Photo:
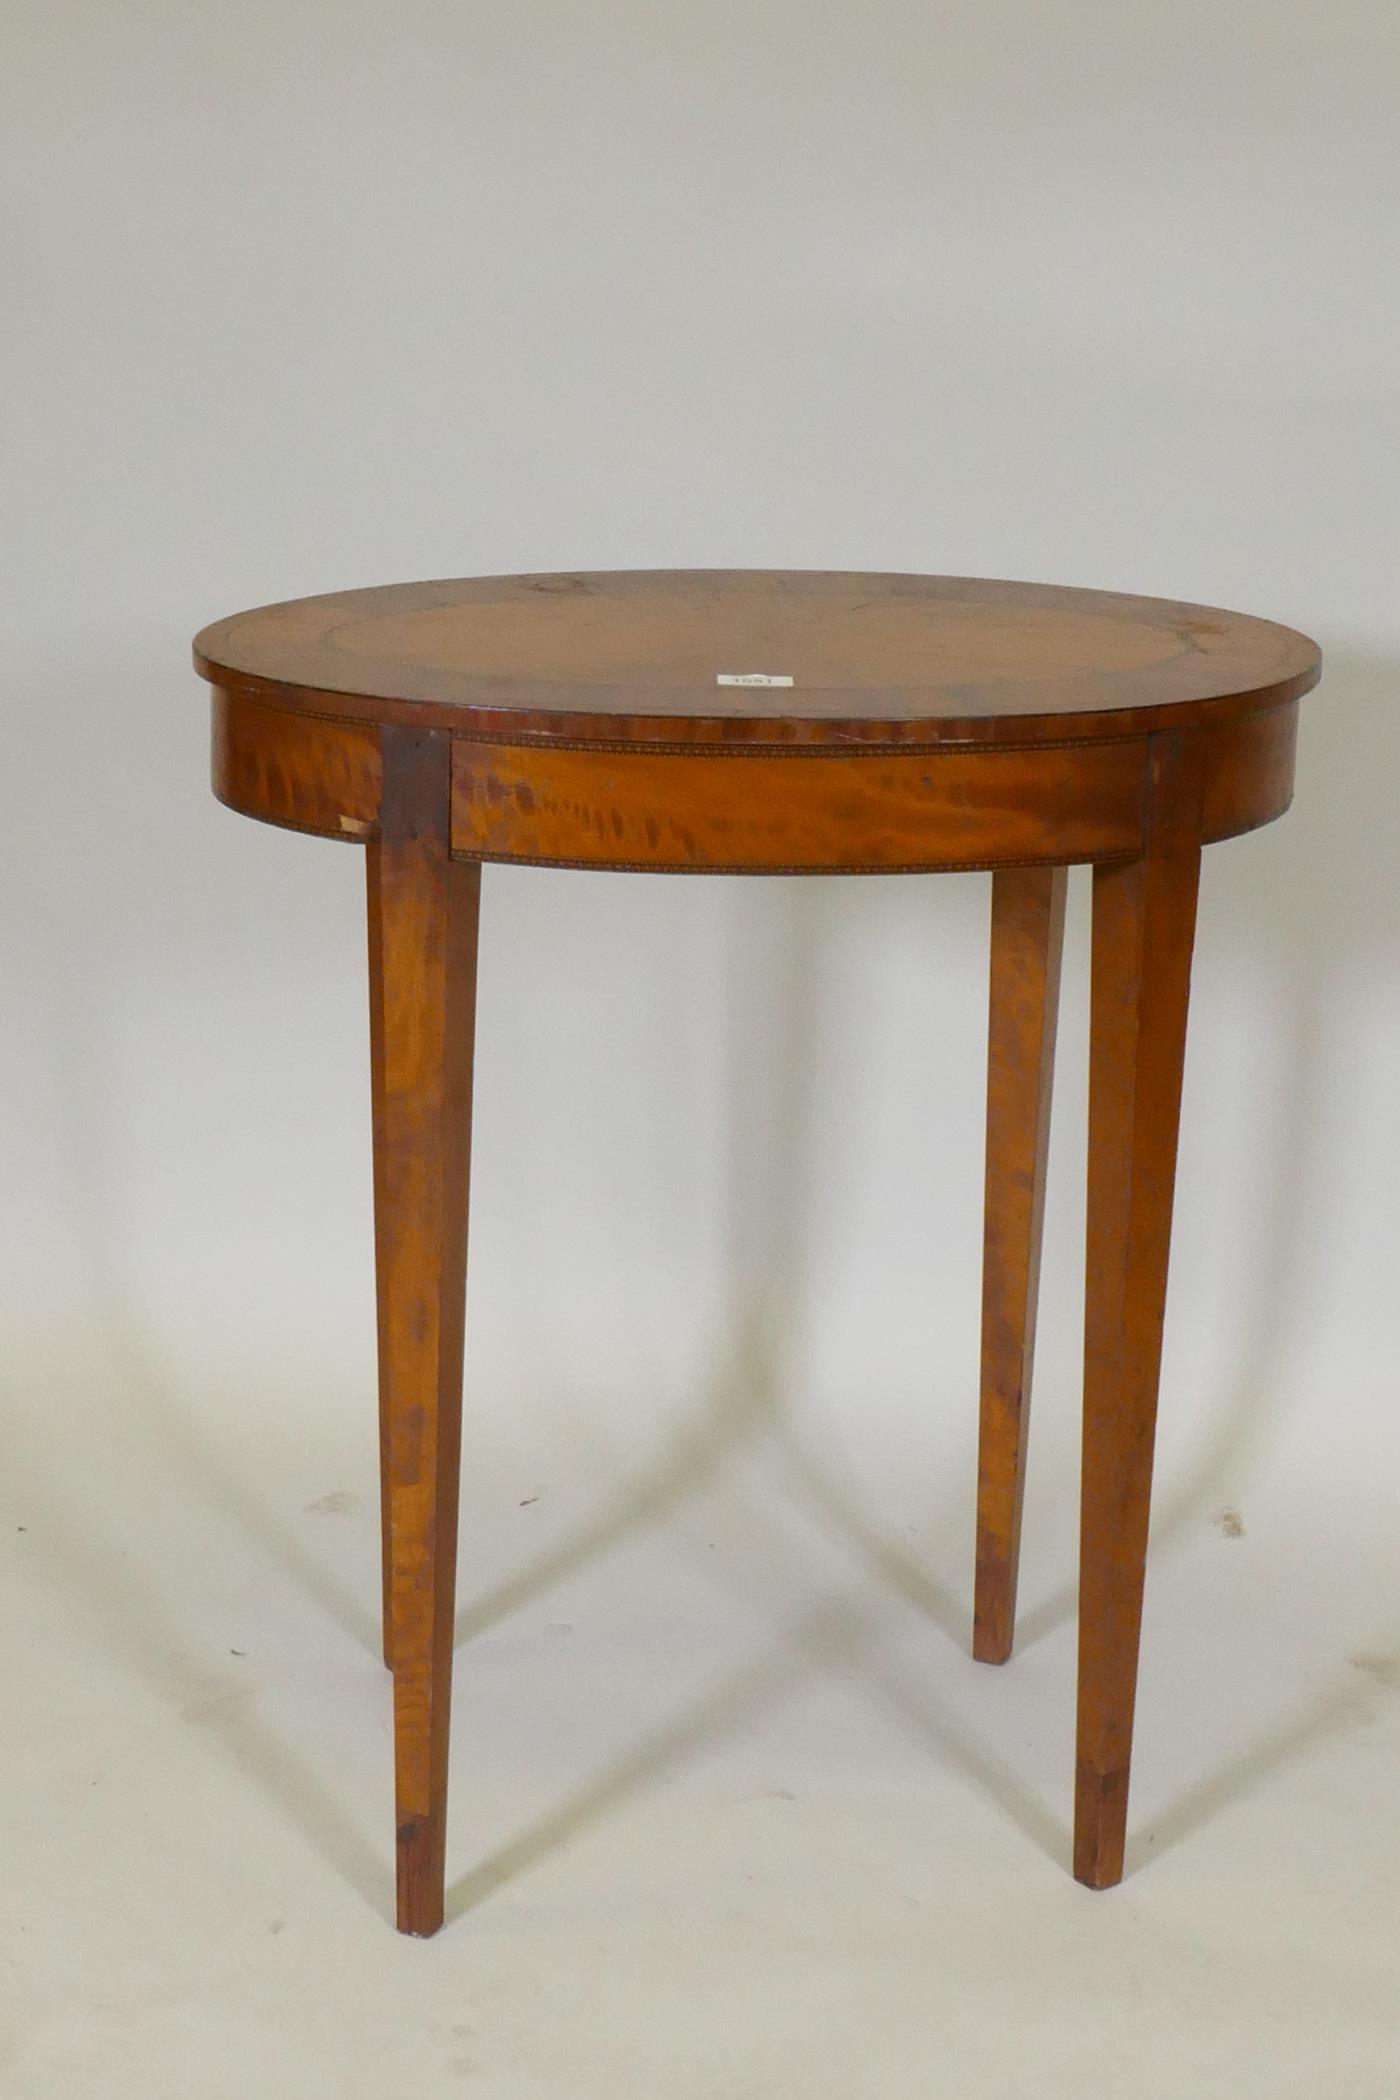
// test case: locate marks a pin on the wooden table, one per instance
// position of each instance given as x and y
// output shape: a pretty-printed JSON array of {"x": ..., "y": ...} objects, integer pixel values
[{"x": 797, "y": 723}]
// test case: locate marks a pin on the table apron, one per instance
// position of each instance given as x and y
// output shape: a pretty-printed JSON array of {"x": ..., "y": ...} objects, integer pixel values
[{"x": 792, "y": 811}]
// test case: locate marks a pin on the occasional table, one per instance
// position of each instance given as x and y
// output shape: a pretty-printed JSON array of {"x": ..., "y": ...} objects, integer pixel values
[{"x": 759, "y": 722}]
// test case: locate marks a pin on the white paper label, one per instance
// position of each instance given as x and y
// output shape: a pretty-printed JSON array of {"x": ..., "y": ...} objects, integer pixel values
[{"x": 750, "y": 678}]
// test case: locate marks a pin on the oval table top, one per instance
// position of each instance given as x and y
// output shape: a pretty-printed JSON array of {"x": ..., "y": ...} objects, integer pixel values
[{"x": 769, "y": 657}]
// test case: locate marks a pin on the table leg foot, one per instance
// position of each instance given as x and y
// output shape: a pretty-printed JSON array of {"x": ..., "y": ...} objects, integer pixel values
[
  {"x": 1100, "y": 1826},
  {"x": 420, "y": 1853}
]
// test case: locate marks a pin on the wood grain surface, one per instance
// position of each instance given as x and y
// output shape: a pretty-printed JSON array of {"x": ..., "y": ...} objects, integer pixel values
[
  {"x": 637, "y": 655},
  {"x": 702, "y": 811}
]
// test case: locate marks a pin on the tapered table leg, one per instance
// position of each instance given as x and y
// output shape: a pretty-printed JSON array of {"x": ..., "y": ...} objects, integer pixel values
[
  {"x": 1143, "y": 929},
  {"x": 1028, "y": 918},
  {"x": 375, "y": 926},
  {"x": 422, "y": 943}
]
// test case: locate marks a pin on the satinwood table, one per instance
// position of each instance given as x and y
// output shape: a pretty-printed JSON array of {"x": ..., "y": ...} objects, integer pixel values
[{"x": 752, "y": 722}]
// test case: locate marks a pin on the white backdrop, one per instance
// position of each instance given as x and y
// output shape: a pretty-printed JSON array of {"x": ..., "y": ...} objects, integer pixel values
[{"x": 309, "y": 297}]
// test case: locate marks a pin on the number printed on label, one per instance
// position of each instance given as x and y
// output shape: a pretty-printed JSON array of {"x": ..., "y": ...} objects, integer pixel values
[{"x": 751, "y": 678}]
